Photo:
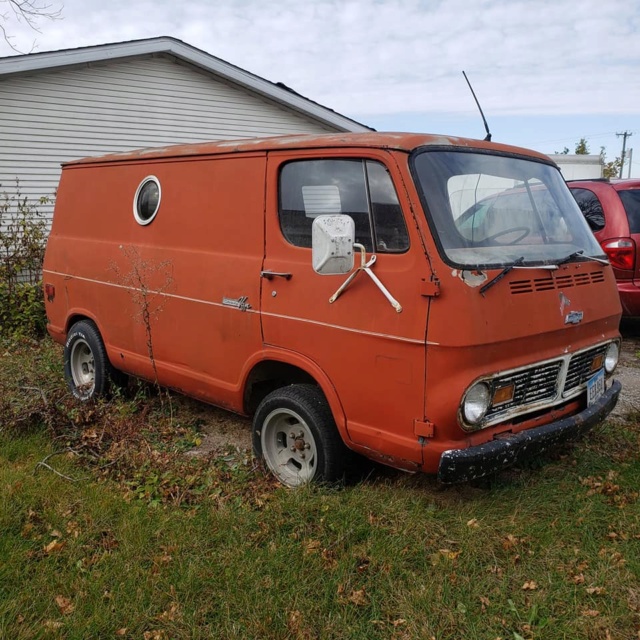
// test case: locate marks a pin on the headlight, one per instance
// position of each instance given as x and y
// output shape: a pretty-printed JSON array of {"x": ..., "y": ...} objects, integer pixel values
[
  {"x": 611, "y": 357},
  {"x": 476, "y": 403}
]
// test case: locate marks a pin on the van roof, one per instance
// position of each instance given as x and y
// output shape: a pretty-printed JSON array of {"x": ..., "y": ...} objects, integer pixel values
[{"x": 399, "y": 141}]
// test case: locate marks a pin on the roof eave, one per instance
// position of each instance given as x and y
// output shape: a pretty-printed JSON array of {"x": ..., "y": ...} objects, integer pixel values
[{"x": 187, "y": 53}]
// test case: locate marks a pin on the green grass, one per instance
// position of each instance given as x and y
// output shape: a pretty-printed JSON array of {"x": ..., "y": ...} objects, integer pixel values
[{"x": 150, "y": 545}]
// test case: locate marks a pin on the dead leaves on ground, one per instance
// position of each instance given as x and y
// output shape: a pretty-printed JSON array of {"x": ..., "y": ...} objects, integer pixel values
[
  {"x": 347, "y": 595},
  {"x": 607, "y": 487}
]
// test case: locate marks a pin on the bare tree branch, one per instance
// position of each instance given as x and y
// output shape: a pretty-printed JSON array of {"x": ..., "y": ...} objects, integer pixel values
[
  {"x": 43, "y": 463},
  {"x": 29, "y": 12}
]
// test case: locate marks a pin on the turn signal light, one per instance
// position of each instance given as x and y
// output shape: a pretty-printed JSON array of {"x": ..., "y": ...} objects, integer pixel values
[{"x": 621, "y": 253}]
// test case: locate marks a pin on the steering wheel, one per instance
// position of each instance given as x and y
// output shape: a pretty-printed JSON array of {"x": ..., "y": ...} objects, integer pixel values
[{"x": 523, "y": 231}]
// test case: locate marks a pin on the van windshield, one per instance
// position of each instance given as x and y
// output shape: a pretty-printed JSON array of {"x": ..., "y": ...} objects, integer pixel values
[{"x": 487, "y": 209}]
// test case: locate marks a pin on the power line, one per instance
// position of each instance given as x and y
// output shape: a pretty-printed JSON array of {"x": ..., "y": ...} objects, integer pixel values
[{"x": 588, "y": 136}]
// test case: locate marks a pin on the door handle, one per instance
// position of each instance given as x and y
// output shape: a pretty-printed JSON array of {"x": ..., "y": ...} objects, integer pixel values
[{"x": 270, "y": 275}]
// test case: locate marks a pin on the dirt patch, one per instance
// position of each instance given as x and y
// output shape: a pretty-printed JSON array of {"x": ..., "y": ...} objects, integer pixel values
[{"x": 221, "y": 430}]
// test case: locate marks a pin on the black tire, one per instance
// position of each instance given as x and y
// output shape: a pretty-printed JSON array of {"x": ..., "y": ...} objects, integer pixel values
[
  {"x": 294, "y": 433},
  {"x": 86, "y": 366}
]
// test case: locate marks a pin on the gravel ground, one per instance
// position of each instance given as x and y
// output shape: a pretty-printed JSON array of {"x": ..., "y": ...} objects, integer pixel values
[
  {"x": 224, "y": 431},
  {"x": 629, "y": 368}
]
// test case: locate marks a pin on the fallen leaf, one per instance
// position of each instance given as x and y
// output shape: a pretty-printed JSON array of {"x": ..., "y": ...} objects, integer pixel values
[
  {"x": 509, "y": 542},
  {"x": 56, "y": 534},
  {"x": 590, "y": 613},
  {"x": 329, "y": 558},
  {"x": 496, "y": 570},
  {"x": 473, "y": 523},
  {"x": 311, "y": 546},
  {"x": 122, "y": 632},
  {"x": 54, "y": 546},
  {"x": 65, "y": 605},
  {"x": 171, "y": 613},
  {"x": 530, "y": 585},
  {"x": 52, "y": 624},
  {"x": 578, "y": 579},
  {"x": 358, "y": 597},
  {"x": 597, "y": 591},
  {"x": 296, "y": 624}
]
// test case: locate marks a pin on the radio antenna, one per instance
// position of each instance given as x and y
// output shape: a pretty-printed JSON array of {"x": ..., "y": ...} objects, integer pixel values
[{"x": 473, "y": 93}]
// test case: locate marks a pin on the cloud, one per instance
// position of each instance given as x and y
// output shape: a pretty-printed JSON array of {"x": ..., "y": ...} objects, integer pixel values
[{"x": 376, "y": 57}]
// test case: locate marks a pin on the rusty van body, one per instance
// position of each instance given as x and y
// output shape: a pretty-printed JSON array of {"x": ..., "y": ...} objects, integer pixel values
[{"x": 434, "y": 303}]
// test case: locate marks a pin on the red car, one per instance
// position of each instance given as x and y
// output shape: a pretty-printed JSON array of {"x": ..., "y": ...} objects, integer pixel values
[{"x": 612, "y": 209}]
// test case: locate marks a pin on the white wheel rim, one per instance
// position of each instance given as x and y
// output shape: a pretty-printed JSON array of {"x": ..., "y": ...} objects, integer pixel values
[
  {"x": 288, "y": 447},
  {"x": 82, "y": 366}
]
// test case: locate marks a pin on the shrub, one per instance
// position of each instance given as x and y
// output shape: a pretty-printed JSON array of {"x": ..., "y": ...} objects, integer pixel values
[{"x": 23, "y": 235}]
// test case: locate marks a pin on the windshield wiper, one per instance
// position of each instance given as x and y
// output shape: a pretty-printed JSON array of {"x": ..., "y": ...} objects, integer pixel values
[
  {"x": 516, "y": 263},
  {"x": 580, "y": 254}
]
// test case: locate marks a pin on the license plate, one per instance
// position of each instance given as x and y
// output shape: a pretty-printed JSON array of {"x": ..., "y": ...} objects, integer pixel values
[{"x": 595, "y": 387}]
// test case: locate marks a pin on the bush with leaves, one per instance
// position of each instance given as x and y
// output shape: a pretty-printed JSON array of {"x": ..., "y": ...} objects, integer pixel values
[{"x": 23, "y": 235}]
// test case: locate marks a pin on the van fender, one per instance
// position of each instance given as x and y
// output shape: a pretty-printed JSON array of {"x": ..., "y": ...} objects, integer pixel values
[
  {"x": 310, "y": 367},
  {"x": 80, "y": 313}
]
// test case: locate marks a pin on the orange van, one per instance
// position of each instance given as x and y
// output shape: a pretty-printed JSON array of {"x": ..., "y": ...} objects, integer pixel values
[{"x": 434, "y": 303}]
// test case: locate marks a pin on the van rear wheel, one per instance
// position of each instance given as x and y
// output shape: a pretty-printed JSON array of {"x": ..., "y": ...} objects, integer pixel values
[
  {"x": 86, "y": 367},
  {"x": 296, "y": 436}
]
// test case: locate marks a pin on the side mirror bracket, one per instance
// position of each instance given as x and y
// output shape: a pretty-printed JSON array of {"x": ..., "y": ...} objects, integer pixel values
[{"x": 333, "y": 245}]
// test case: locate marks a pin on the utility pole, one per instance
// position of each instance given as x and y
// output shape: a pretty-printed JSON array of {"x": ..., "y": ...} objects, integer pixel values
[
  {"x": 625, "y": 135},
  {"x": 630, "y": 163}
]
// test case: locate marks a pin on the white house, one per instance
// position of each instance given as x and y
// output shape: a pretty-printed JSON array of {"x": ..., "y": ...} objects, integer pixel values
[
  {"x": 73, "y": 103},
  {"x": 579, "y": 166}
]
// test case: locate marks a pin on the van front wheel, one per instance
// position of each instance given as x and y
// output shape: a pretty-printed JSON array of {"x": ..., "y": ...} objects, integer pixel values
[
  {"x": 296, "y": 436},
  {"x": 86, "y": 366}
]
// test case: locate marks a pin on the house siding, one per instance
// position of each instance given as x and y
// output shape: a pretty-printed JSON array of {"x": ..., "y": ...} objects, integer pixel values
[{"x": 50, "y": 117}]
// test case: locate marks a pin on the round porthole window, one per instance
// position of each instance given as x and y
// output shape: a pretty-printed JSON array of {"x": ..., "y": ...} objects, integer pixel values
[{"x": 147, "y": 200}]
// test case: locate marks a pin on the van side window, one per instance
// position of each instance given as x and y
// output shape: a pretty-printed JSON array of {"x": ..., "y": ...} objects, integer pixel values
[
  {"x": 146, "y": 201},
  {"x": 591, "y": 207},
  {"x": 358, "y": 188},
  {"x": 390, "y": 229}
]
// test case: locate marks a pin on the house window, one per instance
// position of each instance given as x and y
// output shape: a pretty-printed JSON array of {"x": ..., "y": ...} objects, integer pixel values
[
  {"x": 147, "y": 200},
  {"x": 362, "y": 189}
]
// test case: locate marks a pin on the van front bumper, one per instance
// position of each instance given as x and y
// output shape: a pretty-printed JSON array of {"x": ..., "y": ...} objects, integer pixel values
[{"x": 461, "y": 465}]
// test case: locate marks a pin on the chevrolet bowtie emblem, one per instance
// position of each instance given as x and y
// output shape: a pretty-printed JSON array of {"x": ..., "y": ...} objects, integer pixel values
[{"x": 573, "y": 317}]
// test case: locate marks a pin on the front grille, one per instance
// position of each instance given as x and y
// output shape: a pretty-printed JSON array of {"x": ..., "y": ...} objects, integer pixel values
[
  {"x": 531, "y": 386},
  {"x": 551, "y": 282},
  {"x": 580, "y": 368},
  {"x": 542, "y": 385}
]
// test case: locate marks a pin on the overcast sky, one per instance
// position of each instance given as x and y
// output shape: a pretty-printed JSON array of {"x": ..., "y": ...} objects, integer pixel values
[{"x": 546, "y": 72}]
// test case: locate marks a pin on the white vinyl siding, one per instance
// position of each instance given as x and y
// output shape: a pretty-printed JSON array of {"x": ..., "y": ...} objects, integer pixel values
[{"x": 51, "y": 116}]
